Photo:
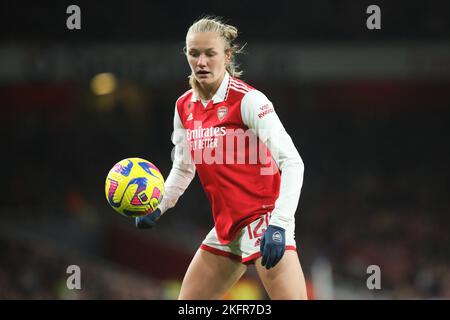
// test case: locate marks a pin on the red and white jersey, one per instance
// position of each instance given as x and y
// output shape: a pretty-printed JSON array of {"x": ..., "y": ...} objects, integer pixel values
[{"x": 238, "y": 146}]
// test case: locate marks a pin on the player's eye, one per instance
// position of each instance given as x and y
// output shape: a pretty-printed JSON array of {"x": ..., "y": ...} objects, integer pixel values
[{"x": 194, "y": 53}]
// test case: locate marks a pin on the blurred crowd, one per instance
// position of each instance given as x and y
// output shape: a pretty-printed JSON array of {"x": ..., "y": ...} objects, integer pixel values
[
  {"x": 375, "y": 192},
  {"x": 378, "y": 195},
  {"x": 38, "y": 270},
  {"x": 283, "y": 20}
]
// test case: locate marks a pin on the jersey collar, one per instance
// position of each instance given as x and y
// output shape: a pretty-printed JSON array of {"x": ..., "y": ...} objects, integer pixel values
[{"x": 220, "y": 94}]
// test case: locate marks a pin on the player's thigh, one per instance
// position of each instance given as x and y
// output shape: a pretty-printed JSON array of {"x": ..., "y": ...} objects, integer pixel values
[
  {"x": 285, "y": 281},
  {"x": 210, "y": 276}
]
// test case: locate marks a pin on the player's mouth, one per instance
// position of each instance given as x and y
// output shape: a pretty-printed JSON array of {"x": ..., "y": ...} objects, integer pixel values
[{"x": 202, "y": 73}]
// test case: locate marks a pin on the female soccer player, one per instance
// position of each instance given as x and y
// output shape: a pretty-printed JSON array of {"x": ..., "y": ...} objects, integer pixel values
[{"x": 238, "y": 147}]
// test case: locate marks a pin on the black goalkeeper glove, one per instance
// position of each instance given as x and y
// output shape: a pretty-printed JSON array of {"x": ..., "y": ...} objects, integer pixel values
[
  {"x": 273, "y": 245},
  {"x": 148, "y": 221}
]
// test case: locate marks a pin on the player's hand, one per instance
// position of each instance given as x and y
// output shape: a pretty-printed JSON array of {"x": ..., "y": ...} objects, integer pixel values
[
  {"x": 273, "y": 244},
  {"x": 148, "y": 221}
]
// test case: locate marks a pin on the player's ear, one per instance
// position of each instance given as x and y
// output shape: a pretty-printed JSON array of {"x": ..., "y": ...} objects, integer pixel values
[{"x": 228, "y": 56}]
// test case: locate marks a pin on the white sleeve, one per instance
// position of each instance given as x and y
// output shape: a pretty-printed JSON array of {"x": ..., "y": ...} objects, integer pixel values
[
  {"x": 258, "y": 114},
  {"x": 183, "y": 170}
]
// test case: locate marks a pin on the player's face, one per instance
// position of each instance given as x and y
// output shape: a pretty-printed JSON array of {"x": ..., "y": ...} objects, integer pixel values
[{"x": 207, "y": 57}]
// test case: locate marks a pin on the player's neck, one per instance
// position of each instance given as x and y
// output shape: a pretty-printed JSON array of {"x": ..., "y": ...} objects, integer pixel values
[{"x": 207, "y": 92}]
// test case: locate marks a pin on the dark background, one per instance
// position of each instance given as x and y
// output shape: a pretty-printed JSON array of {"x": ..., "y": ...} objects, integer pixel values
[{"x": 367, "y": 109}]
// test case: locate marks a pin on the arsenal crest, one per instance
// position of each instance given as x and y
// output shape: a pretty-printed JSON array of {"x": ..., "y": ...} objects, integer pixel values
[{"x": 222, "y": 112}]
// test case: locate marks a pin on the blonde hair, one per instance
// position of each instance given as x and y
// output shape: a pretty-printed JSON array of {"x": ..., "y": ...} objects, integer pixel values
[{"x": 228, "y": 33}]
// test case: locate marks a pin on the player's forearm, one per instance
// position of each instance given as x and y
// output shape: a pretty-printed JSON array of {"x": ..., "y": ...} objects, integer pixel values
[
  {"x": 182, "y": 171},
  {"x": 179, "y": 178},
  {"x": 286, "y": 156},
  {"x": 290, "y": 189}
]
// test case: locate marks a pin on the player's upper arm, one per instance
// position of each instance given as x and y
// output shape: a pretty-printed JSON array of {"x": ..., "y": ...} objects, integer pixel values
[
  {"x": 180, "y": 154},
  {"x": 259, "y": 114}
]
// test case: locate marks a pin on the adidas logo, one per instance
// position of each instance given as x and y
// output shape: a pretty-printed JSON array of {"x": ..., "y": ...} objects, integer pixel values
[
  {"x": 190, "y": 117},
  {"x": 258, "y": 242}
]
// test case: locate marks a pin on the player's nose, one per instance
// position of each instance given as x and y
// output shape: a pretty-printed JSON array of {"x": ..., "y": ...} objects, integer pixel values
[{"x": 201, "y": 61}]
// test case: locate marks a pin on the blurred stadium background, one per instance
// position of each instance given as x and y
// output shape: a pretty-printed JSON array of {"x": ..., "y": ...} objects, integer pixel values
[{"x": 368, "y": 111}]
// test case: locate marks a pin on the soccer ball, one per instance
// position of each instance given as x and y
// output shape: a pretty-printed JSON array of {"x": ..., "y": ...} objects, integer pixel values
[{"x": 134, "y": 187}]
